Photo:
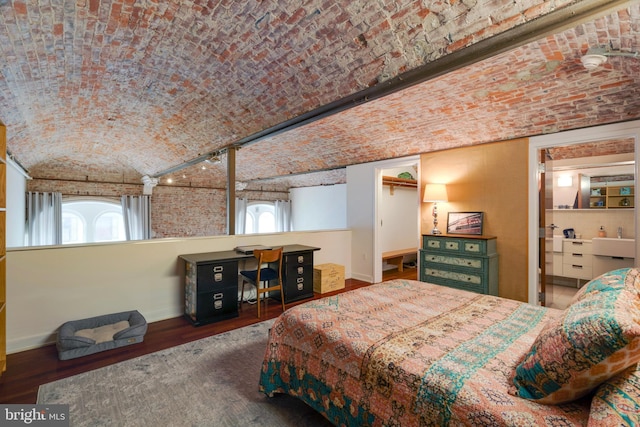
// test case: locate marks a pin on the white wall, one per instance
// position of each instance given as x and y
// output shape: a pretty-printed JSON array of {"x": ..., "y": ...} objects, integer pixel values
[
  {"x": 47, "y": 286},
  {"x": 319, "y": 208},
  {"x": 361, "y": 218},
  {"x": 16, "y": 204}
]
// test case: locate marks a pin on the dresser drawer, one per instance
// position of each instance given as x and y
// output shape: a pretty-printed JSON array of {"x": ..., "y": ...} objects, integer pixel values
[
  {"x": 455, "y": 245},
  {"x": 456, "y": 262},
  {"x": 459, "y": 280}
]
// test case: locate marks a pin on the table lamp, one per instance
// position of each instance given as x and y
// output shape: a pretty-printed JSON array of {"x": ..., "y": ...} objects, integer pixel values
[{"x": 435, "y": 193}]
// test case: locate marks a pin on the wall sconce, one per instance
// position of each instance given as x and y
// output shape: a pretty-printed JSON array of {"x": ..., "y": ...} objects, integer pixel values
[
  {"x": 565, "y": 181},
  {"x": 435, "y": 193}
]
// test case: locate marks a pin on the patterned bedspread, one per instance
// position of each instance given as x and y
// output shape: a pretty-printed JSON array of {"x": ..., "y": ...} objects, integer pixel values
[{"x": 408, "y": 353}]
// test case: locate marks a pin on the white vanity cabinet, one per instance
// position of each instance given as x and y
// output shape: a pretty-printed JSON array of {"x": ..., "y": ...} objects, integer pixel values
[{"x": 577, "y": 259}]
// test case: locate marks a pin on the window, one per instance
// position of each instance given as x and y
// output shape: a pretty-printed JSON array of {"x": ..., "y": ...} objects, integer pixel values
[
  {"x": 88, "y": 221},
  {"x": 72, "y": 227},
  {"x": 261, "y": 218}
]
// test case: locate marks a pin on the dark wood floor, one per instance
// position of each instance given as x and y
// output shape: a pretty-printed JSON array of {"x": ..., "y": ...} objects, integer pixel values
[{"x": 27, "y": 370}]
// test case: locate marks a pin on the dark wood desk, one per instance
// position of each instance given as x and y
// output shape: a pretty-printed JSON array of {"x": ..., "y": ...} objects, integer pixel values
[{"x": 211, "y": 281}]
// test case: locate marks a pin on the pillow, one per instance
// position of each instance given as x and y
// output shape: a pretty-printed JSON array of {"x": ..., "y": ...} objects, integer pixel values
[
  {"x": 609, "y": 281},
  {"x": 103, "y": 333},
  {"x": 595, "y": 338},
  {"x": 617, "y": 401}
]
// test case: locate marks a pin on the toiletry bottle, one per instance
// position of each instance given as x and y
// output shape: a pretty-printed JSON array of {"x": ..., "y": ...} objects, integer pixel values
[{"x": 602, "y": 232}]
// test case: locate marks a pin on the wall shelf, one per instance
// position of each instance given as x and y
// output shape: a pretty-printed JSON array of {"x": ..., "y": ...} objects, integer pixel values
[
  {"x": 393, "y": 182},
  {"x": 612, "y": 197}
]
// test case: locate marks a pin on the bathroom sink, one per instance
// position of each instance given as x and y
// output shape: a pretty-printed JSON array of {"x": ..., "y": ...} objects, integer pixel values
[{"x": 611, "y": 246}]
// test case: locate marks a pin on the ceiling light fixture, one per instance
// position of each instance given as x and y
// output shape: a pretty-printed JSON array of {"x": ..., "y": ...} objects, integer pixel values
[
  {"x": 598, "y": 56},
  {"x": 214, "y": 159}
]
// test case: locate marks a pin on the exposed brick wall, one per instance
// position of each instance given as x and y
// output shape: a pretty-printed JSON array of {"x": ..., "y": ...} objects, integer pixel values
[
  {"x": 184, "y": 212},
  {"x": 175, "y": 211}
]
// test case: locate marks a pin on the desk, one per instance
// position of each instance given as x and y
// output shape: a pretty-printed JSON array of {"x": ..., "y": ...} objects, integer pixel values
[{"x": 211, "y": 281}]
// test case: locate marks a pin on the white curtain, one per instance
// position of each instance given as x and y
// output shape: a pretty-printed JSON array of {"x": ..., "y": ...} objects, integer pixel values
[
  {"x": 283, "y": 215},
  {"x": 241, "y": 215},
  {"x": 44, "y": 219},
  {"x": 136, "y": 211}
]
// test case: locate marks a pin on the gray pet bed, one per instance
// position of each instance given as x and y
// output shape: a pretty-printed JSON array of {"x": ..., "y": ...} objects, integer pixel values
[{"x": 87, "y": 336}]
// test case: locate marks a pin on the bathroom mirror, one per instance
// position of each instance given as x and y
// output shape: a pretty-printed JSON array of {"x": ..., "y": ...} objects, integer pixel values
[{"x": 597, "y": 175}]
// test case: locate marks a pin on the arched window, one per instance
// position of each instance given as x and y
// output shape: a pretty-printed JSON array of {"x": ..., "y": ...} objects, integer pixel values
[
  {"x": 261, "y": 218},
  {"x": 87, "y": 221},
  {"x": 109, "y": 227},
  {"x": 73, "y": 227}
]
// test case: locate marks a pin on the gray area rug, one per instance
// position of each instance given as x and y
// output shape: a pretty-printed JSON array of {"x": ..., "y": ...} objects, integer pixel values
[{"x": 210, "y": 382}]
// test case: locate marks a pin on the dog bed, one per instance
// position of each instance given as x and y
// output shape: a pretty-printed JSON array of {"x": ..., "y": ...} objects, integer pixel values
[{"x": 87, "y": 336}]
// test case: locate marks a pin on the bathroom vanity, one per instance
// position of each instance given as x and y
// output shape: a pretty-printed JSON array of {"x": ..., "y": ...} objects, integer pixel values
[{"x": 585, "y": 259}]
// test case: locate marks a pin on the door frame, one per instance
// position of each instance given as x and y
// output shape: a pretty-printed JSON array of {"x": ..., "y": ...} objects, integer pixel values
[
  {"x": 380, "y": 167},
  {"x": 580, "y": 136}
]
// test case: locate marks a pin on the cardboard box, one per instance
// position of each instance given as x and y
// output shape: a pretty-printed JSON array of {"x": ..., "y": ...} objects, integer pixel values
[{"x": 328, "y": 277}]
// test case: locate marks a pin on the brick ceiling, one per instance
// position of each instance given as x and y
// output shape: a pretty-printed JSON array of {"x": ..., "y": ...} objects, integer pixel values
[{"x": 99, "y": 90}]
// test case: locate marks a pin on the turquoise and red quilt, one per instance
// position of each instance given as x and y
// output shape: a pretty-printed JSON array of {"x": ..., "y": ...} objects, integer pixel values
[{"x": 409, "y": 353}]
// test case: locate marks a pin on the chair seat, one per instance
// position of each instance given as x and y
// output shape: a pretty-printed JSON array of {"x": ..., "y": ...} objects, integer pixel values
[{"x": 266, "y": 274}]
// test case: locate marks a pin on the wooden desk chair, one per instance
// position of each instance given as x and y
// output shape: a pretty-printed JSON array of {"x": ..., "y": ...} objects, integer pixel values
[{"x": 262, "y": 275}]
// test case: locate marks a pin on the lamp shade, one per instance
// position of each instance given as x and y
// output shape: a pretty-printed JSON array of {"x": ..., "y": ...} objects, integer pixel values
[{"x": 435, "y": 193}]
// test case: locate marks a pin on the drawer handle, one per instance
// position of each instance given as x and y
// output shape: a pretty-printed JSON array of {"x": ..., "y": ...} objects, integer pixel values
[
  {"x": 300, "y": 279},
  {"x": 218, "y": 268},
  {"x": 300, "y": 259},
  {"x": 217, "y": 277},
  {"x": 576, "y": 243},
  {"x": 579, "y": 255},
  {"x": 218, "y": 295},
  {"x": 576, "y": 266}
]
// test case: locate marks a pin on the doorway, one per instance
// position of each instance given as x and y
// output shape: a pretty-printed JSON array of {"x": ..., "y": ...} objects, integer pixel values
[
  {"x": 563, "y": 214},
  {"x": 397, "y": 219}
]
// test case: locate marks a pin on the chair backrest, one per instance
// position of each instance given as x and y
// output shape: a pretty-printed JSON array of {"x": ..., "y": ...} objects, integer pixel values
[{"x": 269, "y": 255}]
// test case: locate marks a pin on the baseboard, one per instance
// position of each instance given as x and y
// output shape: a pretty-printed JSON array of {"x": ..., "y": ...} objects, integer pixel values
[{"x": 42, "y": 340}]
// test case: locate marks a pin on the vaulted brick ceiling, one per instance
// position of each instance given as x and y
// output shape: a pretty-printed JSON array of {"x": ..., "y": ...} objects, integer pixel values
[{"x": 113, "y": 90}]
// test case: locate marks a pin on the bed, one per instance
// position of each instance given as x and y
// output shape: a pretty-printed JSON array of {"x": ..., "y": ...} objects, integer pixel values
[{"x": 409, "y": 353}]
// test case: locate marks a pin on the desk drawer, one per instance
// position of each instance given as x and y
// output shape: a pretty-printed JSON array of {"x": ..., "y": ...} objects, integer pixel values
[
  {"x": 305, "y": 258},
  {"x": 215, "y": 276},
  {"x": 298, "y": 277},
  {"x": 210, "y": 306}
]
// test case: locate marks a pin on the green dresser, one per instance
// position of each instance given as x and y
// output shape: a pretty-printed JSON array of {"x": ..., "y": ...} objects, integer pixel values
[{"x": 463, "y": 262}]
